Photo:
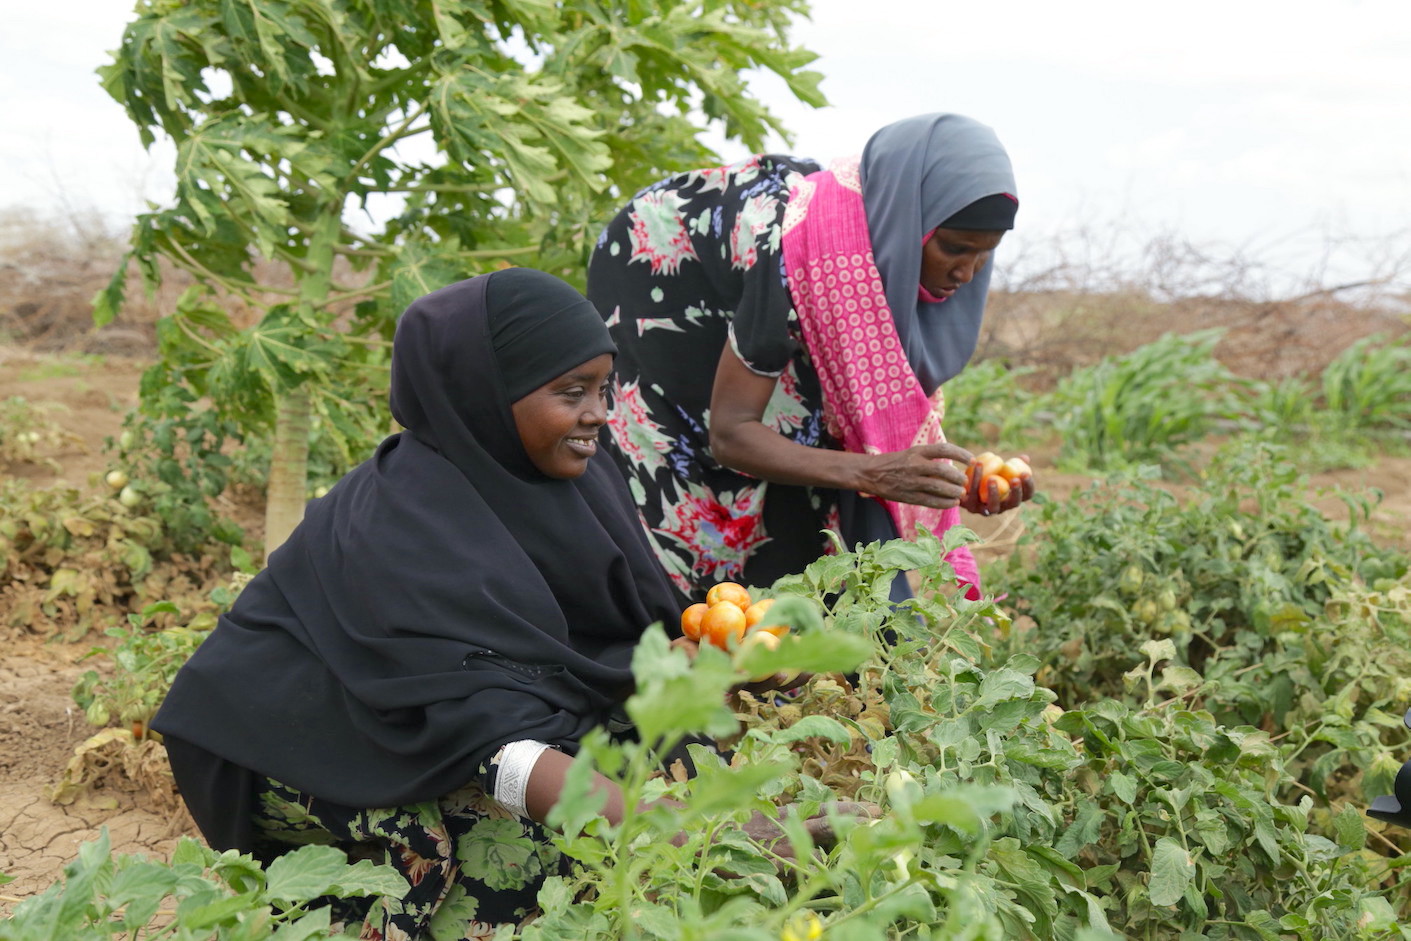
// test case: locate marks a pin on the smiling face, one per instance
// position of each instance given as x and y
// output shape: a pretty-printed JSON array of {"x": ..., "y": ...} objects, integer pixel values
[
  {"x": 558, "y": 422},
  {"x": 952, "y": 257}
]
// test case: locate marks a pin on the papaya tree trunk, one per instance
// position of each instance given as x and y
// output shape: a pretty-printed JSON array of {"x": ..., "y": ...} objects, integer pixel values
[
  {"x": 289, "y": 459},
  {"x": 288, "y": 467}
]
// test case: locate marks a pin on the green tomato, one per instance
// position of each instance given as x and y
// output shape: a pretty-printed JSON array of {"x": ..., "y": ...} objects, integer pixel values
[
  {"x": 116, "y": 479},
  {"x": 96, "y": 714},
  {"x": 129, "y": 497}
]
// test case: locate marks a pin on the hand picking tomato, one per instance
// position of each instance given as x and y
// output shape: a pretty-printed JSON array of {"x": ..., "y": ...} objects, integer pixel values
[{"x": 991, "y": 479}]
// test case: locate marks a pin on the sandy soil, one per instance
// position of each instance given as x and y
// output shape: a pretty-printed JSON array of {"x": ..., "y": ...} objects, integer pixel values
[
  {"x": 40, "y": 727},
  {"x": 39, "y": 724}
]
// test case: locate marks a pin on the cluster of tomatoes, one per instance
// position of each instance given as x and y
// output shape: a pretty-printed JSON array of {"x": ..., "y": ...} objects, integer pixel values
[
  {"x": 988, "y": 467},
  {"x": 729, "y": 619}
]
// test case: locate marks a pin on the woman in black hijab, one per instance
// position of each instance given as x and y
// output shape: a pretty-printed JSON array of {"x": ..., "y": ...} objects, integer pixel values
[{"x": 444, "y": 626}]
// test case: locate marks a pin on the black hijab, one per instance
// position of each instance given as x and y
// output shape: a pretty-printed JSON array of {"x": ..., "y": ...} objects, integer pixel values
[{"x": 445, "y": 597}]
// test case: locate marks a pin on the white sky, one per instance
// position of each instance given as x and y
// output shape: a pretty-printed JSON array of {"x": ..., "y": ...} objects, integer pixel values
[{"x": 1271, "y": 127}]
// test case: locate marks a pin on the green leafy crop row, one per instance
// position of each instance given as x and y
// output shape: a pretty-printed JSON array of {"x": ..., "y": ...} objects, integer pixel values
[{"x": 1149, "y": 807}]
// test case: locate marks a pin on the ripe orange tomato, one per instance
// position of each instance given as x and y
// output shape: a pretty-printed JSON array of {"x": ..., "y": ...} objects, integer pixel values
[
  {"x": 989, "y": 462},
  {"x": 756, "y": 611},
  {"x": 723, "y": 622},
  {"x": 728, "y": 591},
  {"x": 691, "y": 620},
  {"x": 1015, "y": 469}
]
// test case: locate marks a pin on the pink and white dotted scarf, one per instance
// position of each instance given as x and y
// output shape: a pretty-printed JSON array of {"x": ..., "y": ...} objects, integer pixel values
[{"x": 872, "y": 400}]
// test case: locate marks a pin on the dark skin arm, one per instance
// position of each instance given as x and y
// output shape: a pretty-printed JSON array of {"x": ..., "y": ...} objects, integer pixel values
[
  {"x": 547, "y": 777},
  {"x": 921, "y": 475}
]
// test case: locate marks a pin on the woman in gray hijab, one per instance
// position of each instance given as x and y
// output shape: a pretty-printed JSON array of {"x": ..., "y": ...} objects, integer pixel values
[{"x": 784, "y": 331}]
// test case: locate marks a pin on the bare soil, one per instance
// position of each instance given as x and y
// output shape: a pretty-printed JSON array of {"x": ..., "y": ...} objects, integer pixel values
[{"x": 40, "y": 726}]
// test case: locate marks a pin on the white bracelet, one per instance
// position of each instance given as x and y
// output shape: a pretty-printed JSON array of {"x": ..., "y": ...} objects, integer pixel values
[{"x": 516, "y": 761}]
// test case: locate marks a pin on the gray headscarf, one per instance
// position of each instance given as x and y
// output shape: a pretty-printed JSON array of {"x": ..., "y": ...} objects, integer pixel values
[{"x": 915, "y": 174}]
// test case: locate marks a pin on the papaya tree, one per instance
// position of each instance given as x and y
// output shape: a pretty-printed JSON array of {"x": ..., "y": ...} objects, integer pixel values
[{"x": 337, "y": 158}]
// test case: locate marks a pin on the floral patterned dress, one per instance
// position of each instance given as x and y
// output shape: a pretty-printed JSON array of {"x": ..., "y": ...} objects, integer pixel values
[
  {"x": 472, "y": 865},
  {"x": 691, "y": 263}
]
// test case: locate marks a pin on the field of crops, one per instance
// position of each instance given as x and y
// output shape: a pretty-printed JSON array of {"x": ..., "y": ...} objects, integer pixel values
[
  {"x": 1168, "y": 726},
  {"x": 1165, "y": 719}
]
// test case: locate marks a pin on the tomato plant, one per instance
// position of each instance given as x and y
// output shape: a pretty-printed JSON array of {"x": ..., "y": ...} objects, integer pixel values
[{"x": 1131, "y": 784}]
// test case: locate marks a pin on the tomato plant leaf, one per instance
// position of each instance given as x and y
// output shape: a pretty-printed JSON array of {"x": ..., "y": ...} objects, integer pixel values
[
  {"x": 813, "y": 727},
  {"x": 311, "y": 871},
  {"x": 1172, "y": 869},
  {"x": 1351, "y": 831}
]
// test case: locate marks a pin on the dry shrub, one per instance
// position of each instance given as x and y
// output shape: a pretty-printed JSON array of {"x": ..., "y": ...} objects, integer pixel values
[
  {"x": 1073, "y": 300},
  {"x": 73, "y": 564},
  {"x": 49, "y": 271},
  {"x": 112, "y": 759},
  {"x": 1056, "y": 332},
  {"x": 52, "y": 266}
]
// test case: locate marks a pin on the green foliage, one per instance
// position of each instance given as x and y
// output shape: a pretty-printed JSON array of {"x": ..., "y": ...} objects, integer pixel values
[
  {"x": 1289, "y": 406},
  {"x": 1268, "y": 614},
  {"x": 1141, "y": 408},
  {"x": 204, "y": 894},
  {"x": 986, "y": 405},
  {"x": 80, "y": 558},
  {"x": 1001, "y": 815},
  {"x": 1182, "y": 819},
  {"x": 1368, "y": 387},
  {"x": 174, "y": 457},
  {"x": 1359, "y": 409},
  {"x": 290, "y": 116},
  {"x": 1233, "y": 670},
  {"x": 144, "y": 663}
]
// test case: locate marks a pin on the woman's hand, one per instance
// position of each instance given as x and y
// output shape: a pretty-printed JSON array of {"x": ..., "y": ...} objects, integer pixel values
[
  {"x": 923, "y": 475},
  {"x": 781, "y": 681},
  {"x": 989, "y": 503},
  {"x": 765, "y": 831}
]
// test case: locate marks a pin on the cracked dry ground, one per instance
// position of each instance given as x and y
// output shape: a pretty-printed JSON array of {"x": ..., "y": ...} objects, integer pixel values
[{"x": 39, "y": 728}]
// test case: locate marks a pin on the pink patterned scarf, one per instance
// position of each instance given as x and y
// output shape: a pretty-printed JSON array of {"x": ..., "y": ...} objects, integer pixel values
[{"x": 873, "y": 401}]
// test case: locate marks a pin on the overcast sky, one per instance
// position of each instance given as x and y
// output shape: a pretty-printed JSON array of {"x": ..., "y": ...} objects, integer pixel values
[{"x": 1272, "y": 127}]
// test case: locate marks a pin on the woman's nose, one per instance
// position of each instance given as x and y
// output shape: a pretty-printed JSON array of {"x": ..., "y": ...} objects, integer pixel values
[{"x": 965, "y": 272}]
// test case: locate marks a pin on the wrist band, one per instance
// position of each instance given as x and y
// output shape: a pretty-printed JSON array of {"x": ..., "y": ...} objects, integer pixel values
[{"x": 516, "y": 762}]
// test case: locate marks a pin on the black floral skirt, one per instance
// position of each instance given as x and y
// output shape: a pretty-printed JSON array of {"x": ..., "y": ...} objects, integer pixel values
[{"x": 471, "y": 864}]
